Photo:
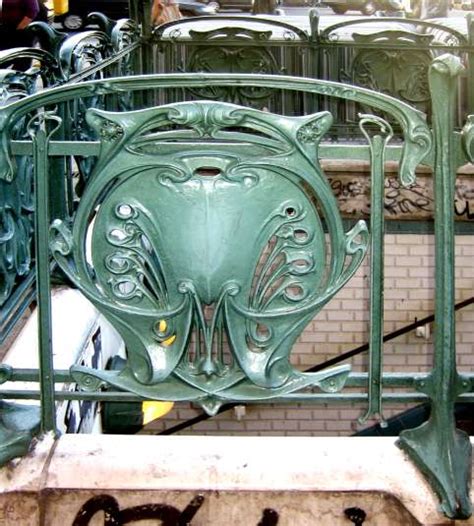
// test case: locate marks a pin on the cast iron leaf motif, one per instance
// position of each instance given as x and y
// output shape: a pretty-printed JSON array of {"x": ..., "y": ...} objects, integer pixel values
[
  {"x": 16, "y": 195},
  {"x": 402, "y": 73},
  {"x": 311, "y": 132}
]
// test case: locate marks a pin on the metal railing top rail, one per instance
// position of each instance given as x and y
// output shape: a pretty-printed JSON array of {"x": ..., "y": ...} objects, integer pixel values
[
  {"x": 421, "y": 27},
  {"x": 417, "y": 145},
  {"x": 266, "y": 28},
  {"x": 318, "y": 29}
]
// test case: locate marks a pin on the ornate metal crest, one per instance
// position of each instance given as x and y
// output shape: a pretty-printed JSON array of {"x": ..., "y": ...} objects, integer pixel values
[
  {"x": 396, "y": 68},
  {"x": 200, "y": 237},
  {"x": 228, "y": 51}
]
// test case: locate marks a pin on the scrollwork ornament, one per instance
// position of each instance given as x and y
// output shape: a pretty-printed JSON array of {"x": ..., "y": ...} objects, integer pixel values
[
  {"x": 313, "y": 131},
  {"x": 173, "y": 175},
  {"x": 384, "y": 126},
  {"x": 127, "y": 234},
  {"x": 61, "y": 240},
  {"x": 308, "y": 133},
  {"x": 119, "y": 263},
  {"x": 243, "y": 175},
  {"x": 338, "y": 91},
  {"x": 87, "y": 382},
  {"x": 195, "y": 329},
  {"x": 206, "y": 119},
  {"x": 420, "y": 140},
  {"x": 132, "y": 272}
]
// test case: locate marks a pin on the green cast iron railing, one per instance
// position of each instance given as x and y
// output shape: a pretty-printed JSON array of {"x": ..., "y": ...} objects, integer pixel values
[
  {"x": 389, "y": 55},
  {"x": 143, "y": 283},
  {"x": 239, "y": 351},
  {"x": 110, "y": 50}
]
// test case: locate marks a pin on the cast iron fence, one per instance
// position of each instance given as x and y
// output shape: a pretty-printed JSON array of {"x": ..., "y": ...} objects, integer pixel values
[{"x": 223, "y": 334}]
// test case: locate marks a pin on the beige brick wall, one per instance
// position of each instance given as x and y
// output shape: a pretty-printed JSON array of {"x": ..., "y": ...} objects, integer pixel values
[{"x": 342, "y": 326}]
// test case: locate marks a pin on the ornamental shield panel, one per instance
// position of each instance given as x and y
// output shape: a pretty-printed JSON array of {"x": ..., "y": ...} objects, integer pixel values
[{"x": 209, "y": 236}]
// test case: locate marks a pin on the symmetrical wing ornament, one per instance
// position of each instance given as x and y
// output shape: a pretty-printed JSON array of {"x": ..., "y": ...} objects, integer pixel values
[
  {"x": 228, "y": 51},
  {"x": 395, "y": 68},
  {"x": 200, "y": 237}
]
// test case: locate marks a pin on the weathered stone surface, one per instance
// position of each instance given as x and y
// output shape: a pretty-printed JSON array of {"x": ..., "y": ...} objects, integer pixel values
[
  {"x": 350, "y": 183},
  {"x": 95, "y": 480},
  {"x": 223, "y": 508},
  {"x": 21, "y": 482}
]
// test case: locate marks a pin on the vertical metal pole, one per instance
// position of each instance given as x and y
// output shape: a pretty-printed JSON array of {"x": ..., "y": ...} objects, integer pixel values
[
  {"x": 377, "y": 143},
  {"x": 43, "y": 284},
  {"x": 145, "y": 22},
  {"x": 312, "y": 60},
  {"x": 57, "y": 178},
  {"x": 442, "y": 452}
]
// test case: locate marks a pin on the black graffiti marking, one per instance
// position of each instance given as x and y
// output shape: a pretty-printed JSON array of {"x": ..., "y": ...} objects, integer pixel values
[
  {"x": 399, "y": 200},
  {"x": 269, "y": 518},
  {"x": 463, "y": 212},
  {"x": 113, "y": 516},
  {"x": 352, "y": 188},
  {"x": 168, "y": 515},
  {"x": 355, "y": 515}
]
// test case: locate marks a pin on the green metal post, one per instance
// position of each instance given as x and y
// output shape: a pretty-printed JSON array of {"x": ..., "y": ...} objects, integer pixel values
[
  {"x": 377, "y": 142},
  {"x": 442, "y": 452},
  {"x": 40, "y": 137}
]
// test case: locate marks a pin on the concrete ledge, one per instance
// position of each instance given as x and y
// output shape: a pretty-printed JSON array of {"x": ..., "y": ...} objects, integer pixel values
[
  {"x": 21, "y": 483},
  {"x": 217, "y": 480}
]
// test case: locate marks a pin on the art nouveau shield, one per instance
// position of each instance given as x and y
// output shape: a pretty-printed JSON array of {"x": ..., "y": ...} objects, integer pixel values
[{"x": 209, "y": 236}]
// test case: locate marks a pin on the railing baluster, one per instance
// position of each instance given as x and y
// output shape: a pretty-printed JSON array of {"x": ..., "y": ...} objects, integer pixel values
[
  {"x": 442, "y": 452},
  {"x": 378, "y": 143},
  {"x": 40, "y": 136}
]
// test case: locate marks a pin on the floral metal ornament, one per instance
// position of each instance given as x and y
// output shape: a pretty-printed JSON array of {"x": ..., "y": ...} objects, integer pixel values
[
  {"x": 228, "y": 50},
  {"x": 209, "y": 259},
  {"x": 395, "y": 68}
]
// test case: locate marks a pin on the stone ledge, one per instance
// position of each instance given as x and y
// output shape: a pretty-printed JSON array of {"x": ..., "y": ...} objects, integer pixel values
[{"x": 234, "y": 480}]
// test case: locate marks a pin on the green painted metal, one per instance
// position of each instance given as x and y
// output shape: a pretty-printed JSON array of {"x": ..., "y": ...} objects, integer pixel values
[
  {"x": 158, "y": 283},
  {"x": 393, "y": 57},
  {"x": 442, "y": 452},
  {"x": 62, "y": 59},
  {"x": 16, "y": 217},
  {"x": 61, "y": 188},
  {"x": 377, "y": 143},
  {"x": 18, "y": 425},
  {"x": 210, "y": 310},
  {"x": 470, "y": 62},
  {"x": 39, "y": 132},
  {"x": 416, "y": 148},
  {"x": 229, "y": 44}
]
